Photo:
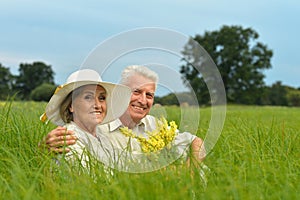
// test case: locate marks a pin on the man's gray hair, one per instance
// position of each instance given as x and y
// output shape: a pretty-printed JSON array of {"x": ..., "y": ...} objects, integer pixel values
[{"x": 140, "y": 70}]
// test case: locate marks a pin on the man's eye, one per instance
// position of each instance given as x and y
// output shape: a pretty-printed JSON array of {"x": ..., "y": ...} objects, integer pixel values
[
  {"x": 136, "y": 92},
  {"x": 150, "y": 95}
]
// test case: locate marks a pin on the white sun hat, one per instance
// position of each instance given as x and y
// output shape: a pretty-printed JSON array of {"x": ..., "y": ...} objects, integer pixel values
[{"x": 117, "y": 98}]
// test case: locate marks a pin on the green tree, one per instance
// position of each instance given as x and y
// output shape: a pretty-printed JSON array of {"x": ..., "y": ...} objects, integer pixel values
[
  {"x": 6, "y": 81},
  {"x": 240, "y": 59},
  {"x": 293, "y": 97},
  {"x": 32, "y": 75},
  {"x": 169, "y": 99},
  {"x": 278, "y": 94},
  {"x": 265, "y": 96},
  {"x": 176, "y": 99},
  {"x": 43, "y": 92}
]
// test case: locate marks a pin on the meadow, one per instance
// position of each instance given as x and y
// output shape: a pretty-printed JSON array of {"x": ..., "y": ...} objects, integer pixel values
[{"x": 256, "y": 157}]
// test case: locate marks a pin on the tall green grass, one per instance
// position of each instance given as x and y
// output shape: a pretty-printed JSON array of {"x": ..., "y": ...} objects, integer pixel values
[{"x": 256, "y": 157}]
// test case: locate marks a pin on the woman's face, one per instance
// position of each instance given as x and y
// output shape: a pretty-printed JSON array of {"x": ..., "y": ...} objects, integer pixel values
[{"x": 89, "y": 106}]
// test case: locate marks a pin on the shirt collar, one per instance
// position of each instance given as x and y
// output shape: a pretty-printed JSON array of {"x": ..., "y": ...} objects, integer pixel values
[{"x": 114, "y": 125}]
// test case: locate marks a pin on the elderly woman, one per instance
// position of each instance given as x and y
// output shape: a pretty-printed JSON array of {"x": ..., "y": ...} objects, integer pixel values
[{"x": 81, "y": 104}]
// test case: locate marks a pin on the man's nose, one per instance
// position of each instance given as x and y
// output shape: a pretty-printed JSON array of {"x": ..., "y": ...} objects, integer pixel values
[{"x": 142, "y": 97}]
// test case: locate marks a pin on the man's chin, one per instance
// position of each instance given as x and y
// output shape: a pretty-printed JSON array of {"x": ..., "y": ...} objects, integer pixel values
[{"x": 138, "y": 115}]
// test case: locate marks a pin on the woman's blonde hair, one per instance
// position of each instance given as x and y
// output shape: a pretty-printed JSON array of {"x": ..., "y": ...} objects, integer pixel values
[{"x": 64, "y": 111}]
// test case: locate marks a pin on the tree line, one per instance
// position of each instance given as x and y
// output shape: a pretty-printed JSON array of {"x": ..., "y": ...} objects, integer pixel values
[
  {"x": 276, "y": 95},
  {"x": 240, "y": 58},
  {"x": 34, "y": 82}
]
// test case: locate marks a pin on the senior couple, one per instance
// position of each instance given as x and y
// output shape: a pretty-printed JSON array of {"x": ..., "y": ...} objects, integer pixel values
[{"x": 90, "y": 115}]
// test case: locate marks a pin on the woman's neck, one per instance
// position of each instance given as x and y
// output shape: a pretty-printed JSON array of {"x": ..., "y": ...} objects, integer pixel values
[{"x": 89, "y": 129}]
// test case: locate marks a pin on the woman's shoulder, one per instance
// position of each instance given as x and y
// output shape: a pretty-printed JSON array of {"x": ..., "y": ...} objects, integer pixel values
[{"x": 82, "y": 135}]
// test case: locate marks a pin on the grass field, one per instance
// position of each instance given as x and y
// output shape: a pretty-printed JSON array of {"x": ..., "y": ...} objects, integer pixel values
[{"x": 256, "y": 157}]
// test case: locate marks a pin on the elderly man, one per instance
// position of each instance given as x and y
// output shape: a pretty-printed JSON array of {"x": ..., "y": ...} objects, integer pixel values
[{"x": 142, "y": 82}]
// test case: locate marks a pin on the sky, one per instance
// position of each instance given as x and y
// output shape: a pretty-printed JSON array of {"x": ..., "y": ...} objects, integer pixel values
[{"x": 64, "y": 33}]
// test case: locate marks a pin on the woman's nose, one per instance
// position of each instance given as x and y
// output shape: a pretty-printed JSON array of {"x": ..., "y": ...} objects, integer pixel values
[{"x": 97, "y": 103}]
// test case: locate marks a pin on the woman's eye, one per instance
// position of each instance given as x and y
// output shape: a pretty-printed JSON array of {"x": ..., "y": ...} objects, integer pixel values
[
  {"x": 88, "y": 97},
  {"x": 102, "y": 98}
]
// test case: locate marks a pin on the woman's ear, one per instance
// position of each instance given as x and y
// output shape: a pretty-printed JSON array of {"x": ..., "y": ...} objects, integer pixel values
[{"x": 71, "y": 109}]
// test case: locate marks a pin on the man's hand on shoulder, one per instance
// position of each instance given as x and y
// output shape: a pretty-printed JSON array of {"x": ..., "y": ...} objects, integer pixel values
[{"x": 58, "y": 140}]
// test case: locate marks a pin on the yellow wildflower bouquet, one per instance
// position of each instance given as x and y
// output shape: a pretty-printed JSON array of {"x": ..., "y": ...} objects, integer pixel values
[{"x": 157, "y": 139}]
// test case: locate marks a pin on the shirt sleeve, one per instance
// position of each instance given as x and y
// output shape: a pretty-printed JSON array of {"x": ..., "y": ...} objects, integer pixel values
[{"x": 183, "y": 142}]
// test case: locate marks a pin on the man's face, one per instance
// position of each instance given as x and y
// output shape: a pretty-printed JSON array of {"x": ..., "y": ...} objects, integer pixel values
[{"x": 142, "y": 97}]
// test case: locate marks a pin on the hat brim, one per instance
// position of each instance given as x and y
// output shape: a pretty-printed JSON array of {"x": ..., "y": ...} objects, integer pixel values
[{"x": 117, "y": 100}]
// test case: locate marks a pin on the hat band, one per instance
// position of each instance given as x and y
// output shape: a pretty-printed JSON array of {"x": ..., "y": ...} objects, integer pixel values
[{"x": 44, "y": 117}]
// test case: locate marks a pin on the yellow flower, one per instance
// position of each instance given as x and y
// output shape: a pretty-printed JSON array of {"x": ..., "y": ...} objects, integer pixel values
[{"x": 157, "y": 139}]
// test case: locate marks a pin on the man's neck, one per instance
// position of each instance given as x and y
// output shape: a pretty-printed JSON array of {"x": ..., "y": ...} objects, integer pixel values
[{"x": 127, "y": 121}]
